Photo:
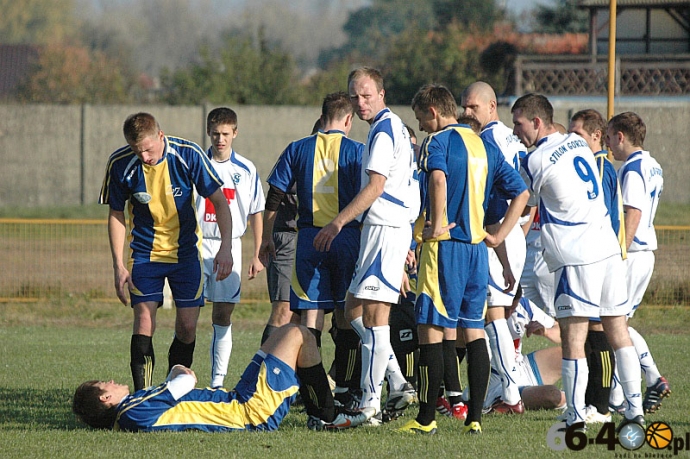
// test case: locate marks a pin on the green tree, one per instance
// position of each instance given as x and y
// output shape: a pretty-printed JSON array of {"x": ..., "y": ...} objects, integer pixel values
[
  {"x": 36, "y": 22},
  {"x": 70, "y": 74},
  {"x": 240, "y": 72},
  {"x": 561, "y": 17}
]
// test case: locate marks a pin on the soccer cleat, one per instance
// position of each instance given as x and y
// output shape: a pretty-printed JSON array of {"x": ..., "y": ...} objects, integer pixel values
[
  {"x": 474, "y": 428},
  {"x": 654, "y": 394},
  {"x": 344, "y": 419},
  {"x": 639, "y": 420},
  {"x": 459, "y": 411},
  {"x": 413, "y": 427},
  {"x": 593, "y": 416},
  {"x": 375, "y": 420},
  {"x": 398, "y": 400},
  {"x": 502, "y": 407},
  {"x": 443, "y": 406},
  {"x": 349, "y": 399},
  {"x": 618, "y": 409}
]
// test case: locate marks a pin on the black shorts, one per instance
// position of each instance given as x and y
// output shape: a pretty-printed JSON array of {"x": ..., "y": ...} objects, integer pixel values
[{"x": 279, "y": 270}]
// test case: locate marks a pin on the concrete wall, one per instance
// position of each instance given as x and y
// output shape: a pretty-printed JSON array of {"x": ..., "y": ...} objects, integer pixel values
[{"x": 53, "y": 155}]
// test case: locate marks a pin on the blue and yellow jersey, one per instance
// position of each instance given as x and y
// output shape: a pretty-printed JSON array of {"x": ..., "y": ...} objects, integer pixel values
[
  {"x": 162, "y": 215},
  {"x": 259, "y": 402},
  {"x": 326, "y": 170},
  {"x": 612, "y": 196},
  {"x": 474, "y": 168}
]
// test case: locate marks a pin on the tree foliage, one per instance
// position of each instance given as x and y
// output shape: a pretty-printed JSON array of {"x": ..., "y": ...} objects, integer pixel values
[
  {"x": 240, "y": 72},
  {"x": 71, "y": 74},
  {"x": 36, "y": 22},
  {"x": 562, "y": 17}
]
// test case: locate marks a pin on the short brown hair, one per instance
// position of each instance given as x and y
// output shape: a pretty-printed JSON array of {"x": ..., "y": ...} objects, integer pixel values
[
  {"x": 631, "y": 125},
  {"x": 591, "y": 121},
  {"x": 535, "y": 106},
  {"x": 437, "y": 96},
  {"x": 139, "y": 126},
  {"x": 88, "y": 407},
  {"x": 221, "y": 115},
  {"x": 372, "y": 73},
  {"x": 471, "y": 121},
  {"x": 336, "y": 106}
]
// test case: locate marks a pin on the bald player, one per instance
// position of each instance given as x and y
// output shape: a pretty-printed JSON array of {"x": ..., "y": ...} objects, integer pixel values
[{"x": 479, "y": 102}]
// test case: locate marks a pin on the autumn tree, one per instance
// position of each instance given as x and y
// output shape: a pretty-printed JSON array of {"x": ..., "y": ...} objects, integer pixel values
[{"x": 36, "y": 22}]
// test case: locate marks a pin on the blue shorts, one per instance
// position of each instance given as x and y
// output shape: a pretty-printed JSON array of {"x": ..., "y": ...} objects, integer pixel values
[
  {"x": 452, "y": 284},
  {"x": 320, "y": 279},
  {"x": 184, "y": 278}
]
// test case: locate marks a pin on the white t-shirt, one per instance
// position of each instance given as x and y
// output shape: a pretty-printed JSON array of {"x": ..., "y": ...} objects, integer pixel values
[
  {"x": 389, "y": 152},
  {"x": 642, "y": 181},
  {"x": 243, "y": 191},
  {"x": 563, "y": 180}
]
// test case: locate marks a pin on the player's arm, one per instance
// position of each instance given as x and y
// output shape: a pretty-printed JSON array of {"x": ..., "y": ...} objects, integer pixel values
[
  {"x": 632, "y": 221},
  {"x": 502, "y": 255},
  {"x": 267, "y": 250},
  {"x": 515, "y": 210},
  {"x": 364, "y": 199},
  {"x": 116, "y": 234},
  {"x": 437, "y": 201},
  {"x": 532, "y": 212},
  {"x": 257, "y": 224},
  {"x": 222, "y": 264},
  {"x": 181, "y": 381}
]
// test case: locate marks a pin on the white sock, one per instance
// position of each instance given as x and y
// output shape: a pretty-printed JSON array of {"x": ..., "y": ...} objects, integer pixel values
[
  {"x": 221, "y": 347},
  {"x": 629, "y": 374},
  {"x": 617, "y": 397},
  {"x": 375, "y": 344},
  {"x": 651, "y": 372},
  {"x": 358, "y": 326},
  {"x": 575, "y": 374},
  {"x": 394, "y": 375},
  {"x": 503, "y": 354}
]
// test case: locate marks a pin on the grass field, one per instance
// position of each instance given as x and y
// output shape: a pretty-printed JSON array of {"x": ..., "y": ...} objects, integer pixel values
[{"x": 48, "y": 348}]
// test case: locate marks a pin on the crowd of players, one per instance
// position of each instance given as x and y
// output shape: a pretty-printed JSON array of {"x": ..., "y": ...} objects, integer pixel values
[{"x": 426, "y": 255}]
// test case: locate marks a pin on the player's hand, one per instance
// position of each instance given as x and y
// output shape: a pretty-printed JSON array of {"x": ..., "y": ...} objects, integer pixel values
[
  {"x": 222, "y": 264},
  {"x": 535, "y": 328},
  {"x": 267, "y": 251},
  {"x": 492, "y": 241},
  {"x": 509, "y": 280},
  {"x": 255, "y": 267},
  {"x": 411, "y": 262},
  {"x": 324, "y": 238},
  {"x": 178, "y": 370},
  {"x": 442, "y": 233},
  {"x": 123, "y": 278}
]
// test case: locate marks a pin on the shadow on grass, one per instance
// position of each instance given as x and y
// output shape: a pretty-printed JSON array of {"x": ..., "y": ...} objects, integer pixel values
[{"x": 35, "y": 409}]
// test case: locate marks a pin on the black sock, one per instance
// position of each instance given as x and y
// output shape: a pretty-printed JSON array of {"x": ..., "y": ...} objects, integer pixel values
[
  {"x": 316, "y": 393},
  {"x": 451, "y": 371},
  {"x": 348, "y": 359},
  {"x": 601, "y": 361},
  {"x": 478, "y": 372},
  {"x": 430, "y": 375},
  {"x": 267, "y": 332},
  {"x": 180, "y": 353},
  {"x": 317, "y": 335},
  {"x": 461, "y": 351},
  {"x": 142, "y": 361}
]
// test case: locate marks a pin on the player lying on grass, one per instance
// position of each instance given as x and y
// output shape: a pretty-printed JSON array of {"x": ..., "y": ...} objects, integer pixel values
[{"x": 289, "y": 361}]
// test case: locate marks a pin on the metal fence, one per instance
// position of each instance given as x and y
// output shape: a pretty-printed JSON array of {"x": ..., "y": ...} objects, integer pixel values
[{"x": 48, "y": 258}]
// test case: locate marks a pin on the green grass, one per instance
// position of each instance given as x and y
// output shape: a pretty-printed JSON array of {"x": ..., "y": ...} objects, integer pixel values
[{"x": 70, "y": 341}]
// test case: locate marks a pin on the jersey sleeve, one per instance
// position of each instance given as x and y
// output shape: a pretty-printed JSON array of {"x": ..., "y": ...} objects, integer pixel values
[
  {"x": 381, "y": 152},
  {"x": 507, "y": 181},
  {"x": 433, "y": 156},
  {"x": 258, "y": 203},
  {"x": 633, "y": 189},
  {"x": 203, "y": 174},
  {"x": 181, "y": 385},
  {"x": 281, "y": 176}
]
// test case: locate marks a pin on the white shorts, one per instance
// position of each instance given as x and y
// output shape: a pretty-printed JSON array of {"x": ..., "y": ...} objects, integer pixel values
[
  {"x": 227, "y": 290},
  {"x": 517, "y": 251},
  {"x": 538, "y": 284},
  {"x": 640, "y": 266},
  {"x": 381, "y": 263},
  {"x": 526, "y": 375},
  {"x": 593, "y": 290}
]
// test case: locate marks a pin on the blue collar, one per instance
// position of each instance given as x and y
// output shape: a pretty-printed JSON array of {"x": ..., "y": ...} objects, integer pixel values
[{"x": 380, "y": 114}]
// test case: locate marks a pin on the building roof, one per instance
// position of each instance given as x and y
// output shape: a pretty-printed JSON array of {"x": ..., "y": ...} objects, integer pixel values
[
  {"x": 635, "y": 3},
  {"x": 15, "y": 64}
]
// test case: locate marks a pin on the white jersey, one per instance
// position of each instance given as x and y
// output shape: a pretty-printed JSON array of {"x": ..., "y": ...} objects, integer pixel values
[
  {"x": 502, "y": 136},
  {"x": 242, "y": 188},
  {"x": 642, "y": 181},
  {"x": 389, "y": 152},
  {"x": 563, "y": 180}
]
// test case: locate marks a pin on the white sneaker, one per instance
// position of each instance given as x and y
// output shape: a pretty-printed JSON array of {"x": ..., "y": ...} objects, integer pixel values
[{"x": 592, "y": 416}]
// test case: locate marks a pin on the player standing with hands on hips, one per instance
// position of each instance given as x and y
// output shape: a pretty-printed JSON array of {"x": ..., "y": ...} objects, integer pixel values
[{"x": 155, "y": 176}]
